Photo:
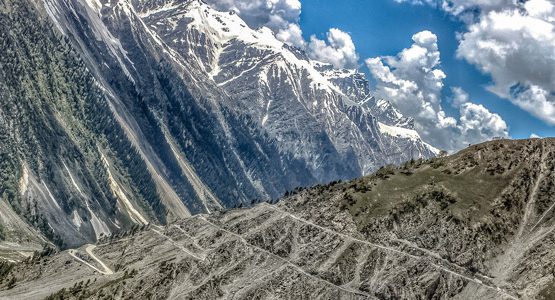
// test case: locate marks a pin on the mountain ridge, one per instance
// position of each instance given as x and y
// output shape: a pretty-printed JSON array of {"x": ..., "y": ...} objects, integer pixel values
[{"x": 119, "y": 121}]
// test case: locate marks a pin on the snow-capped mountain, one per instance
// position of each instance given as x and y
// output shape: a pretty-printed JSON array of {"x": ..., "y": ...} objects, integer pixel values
[
  {"x": 169, "y": 108},
  {"x": 306, "y": 105}
]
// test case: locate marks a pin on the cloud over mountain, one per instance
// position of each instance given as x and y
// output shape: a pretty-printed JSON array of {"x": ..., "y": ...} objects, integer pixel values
[
  {"x": 339, "y": 50},
  {"x": 413, "y": 81}
]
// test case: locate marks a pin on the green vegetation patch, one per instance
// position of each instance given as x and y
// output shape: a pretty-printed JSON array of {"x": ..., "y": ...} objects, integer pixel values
[{"x": 473, "y": 186}]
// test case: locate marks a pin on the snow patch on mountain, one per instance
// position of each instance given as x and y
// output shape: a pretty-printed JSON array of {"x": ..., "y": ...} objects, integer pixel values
[
  {"x": 399, "y": 132},
  {"x": 76, "y": 219}
]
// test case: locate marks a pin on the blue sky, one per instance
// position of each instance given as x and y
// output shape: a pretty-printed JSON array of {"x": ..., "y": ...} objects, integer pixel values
[{"x": 384, "y": 27}]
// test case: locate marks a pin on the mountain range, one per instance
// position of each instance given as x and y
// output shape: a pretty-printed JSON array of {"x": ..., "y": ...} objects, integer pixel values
[
  {"x": 162, "y": 149},
  {"x": 120, "y": 113}
]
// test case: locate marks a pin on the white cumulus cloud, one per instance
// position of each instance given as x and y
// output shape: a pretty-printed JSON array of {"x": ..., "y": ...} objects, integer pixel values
[
  {"x": 339, "y": 50},
  {"x": 460, "y": 7},
  {"x": 513, "y": 41},
  {"x": 413, "y": 81},
  {"x": 477, "y": 124},
  {"x": 517, "y": 48}
]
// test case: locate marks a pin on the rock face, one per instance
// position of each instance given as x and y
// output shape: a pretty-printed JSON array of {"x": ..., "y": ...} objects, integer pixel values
[
  {"x": 476, "y": 225},
  {"x": 314, "y": 112},
  {"x": 118, "y": 113}
]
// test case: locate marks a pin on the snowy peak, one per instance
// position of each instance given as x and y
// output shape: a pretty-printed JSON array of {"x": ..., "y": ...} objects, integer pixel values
[
  {"x": 300, "y": 102},
  {"x": 201, "y": 33},
  {"x": 351, "y": 82},
  {"x": 220, "y": 27},
  {"x": 386, "y": 113}
]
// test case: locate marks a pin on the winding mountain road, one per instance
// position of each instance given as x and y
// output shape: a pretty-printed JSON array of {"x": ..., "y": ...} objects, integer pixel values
[{"x": 89, "y": 250}]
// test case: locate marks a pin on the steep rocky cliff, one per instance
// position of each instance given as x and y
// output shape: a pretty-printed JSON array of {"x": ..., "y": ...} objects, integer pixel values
[
  {"x": 475, "y": 225},
  {"x": 66, "y": 168}
]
